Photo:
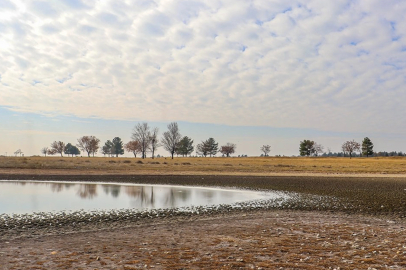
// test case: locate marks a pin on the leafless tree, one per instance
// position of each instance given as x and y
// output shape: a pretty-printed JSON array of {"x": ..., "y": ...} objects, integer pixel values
[
  {"x": 266, "y": 149},
  {"x": 154, "y": 141},
  {"x": 171, "y": 138},
  {"x": 317, "y": 149},
  {"x": 44, "y": 151},
  {"x": 142, "y": 134},
  {"x": 133, "y": 147},
  {"x": 57, "y": 147},
  {"x": 18, "y": 152},
  {"x": 351, "y": 147},
  {"x": 89, "y": 144},
  {"x": 228, "y": 149}
]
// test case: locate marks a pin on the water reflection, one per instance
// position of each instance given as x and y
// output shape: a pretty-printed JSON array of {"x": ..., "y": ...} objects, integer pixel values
[
  {"x": 35, "y": 196},
  {"x": 86, "y": 191}
]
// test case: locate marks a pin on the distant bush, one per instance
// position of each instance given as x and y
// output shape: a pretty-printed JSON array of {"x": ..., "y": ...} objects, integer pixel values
[
  {"x": 140, "y": 162},
  {"x": 127, "y": 161}
]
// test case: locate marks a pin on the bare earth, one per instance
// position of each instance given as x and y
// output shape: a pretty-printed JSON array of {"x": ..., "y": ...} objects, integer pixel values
[{"x": 259, "y": 240}]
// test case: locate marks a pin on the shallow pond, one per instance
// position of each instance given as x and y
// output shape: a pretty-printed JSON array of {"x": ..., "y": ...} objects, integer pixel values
[{"x": 20, "y": 197}]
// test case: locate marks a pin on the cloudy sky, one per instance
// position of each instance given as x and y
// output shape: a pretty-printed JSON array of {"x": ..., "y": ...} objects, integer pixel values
[{"x": 251, "y": 72}]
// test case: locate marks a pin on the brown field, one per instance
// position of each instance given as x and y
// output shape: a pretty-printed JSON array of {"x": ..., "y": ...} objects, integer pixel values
[{"x": 198, "y": 165}]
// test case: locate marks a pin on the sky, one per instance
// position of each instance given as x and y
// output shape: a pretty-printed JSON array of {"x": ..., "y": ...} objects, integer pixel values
[{"x": 247, "y": 72}]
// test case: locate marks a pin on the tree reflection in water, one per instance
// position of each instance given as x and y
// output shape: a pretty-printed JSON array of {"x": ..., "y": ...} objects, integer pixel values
[
  {"x": 36, "y": 196},
  {"x": 87, "y": 191},
  {"x": 114, "y": 190},
  {"x": 144, "y": 196}
]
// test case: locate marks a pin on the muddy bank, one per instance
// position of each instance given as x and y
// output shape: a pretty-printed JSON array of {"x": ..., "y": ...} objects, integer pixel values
[{"x": 273, "y": 239}]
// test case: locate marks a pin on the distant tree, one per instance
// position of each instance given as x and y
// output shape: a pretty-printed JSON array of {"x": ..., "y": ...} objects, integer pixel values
[
  {"x": 142, "y": 134},
  {"x": 171, "y": 138},
  {"x": 266, "y": 149},
  {"x": 18, "y": 152},
  {"x": 117, "y": 147},
  {"x": 57, "y": 147},
  {"x": 202, "y": 149},
  {"x": 350, "y": 147},
  {"x": 154, "y": 141},
  {"x": 228, "y": 149},
  {"x": 51, "y": 151},
  {"x": 107, "y": 148},
  {"x": 317, "y": 149},
  {"x": 133, "y": 147},
  {"x": 185, "y": 146},
  {"x": 213, "y": 147},
  {"x": 306, "y": 148},
  {"x": 208, "y": 147},
  {"x": 89, "y": 144},
  {"x": 367, "y": 147},
  {"x": 71, "y": 150},
  {"x": 44, "y": 151}
]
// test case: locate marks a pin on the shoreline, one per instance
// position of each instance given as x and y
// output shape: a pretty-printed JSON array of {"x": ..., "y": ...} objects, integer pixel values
[
  {"x": 70, "y": 172},
  {"x": 310, "y": 193}
]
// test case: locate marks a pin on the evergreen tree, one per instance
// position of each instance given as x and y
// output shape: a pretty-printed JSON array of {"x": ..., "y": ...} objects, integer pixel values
[
  {"x": 71, "y": 150},
  {"x": 117, "y": 148},
  {"x": 367, "y": 147},
  {"x": 185, "y": 146},
  {"x": 208, "y": 147},
  {"x": 306, "y": 148},
  {"x": 107, "y": 149}
]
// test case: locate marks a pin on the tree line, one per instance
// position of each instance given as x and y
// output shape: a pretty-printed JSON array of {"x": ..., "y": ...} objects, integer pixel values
[
  {"x": 144, "y": 139},
  {"x": 349, "y": 148}
]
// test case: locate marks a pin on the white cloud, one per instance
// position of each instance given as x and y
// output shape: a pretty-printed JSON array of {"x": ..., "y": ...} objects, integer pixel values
[{"x": 336, "y": 65}]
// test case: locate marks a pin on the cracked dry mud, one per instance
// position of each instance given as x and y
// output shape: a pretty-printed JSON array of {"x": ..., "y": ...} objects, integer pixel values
[{"x": 254, "y": 240}]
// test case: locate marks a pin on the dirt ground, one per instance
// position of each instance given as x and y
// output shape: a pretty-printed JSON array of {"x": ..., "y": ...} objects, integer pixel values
[{"x": 260, "y": 240}]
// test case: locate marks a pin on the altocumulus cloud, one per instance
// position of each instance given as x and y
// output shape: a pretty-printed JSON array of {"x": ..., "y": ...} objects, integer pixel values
[{"x": 331, "y": 65}]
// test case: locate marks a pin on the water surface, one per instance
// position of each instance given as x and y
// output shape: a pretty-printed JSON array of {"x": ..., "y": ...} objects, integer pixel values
[{"x": 19, "y": 197}]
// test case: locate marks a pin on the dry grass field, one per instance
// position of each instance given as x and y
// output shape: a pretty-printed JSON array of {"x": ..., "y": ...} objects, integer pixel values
[{"x": 209, "y": 166}]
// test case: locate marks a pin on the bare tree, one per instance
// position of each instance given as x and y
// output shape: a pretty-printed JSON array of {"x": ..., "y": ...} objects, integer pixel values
[
  {"x": 266, "y": 149},
  {"x": 171, "y": 138},
  {"x": 142, "y": 134},
  {"x": 44, "y": 151},
  {"x": 154, "y": 142},
  {"x": 57, "y": 147},
  {"x": 351, "y": 147},
  {"x": 89, "y": 144},
  {"x": 18, "y": 152},
  {"x": 133, "y": 147},
  {"x": 228, "y": 149},
  {"x": 317, "y": 149}
]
